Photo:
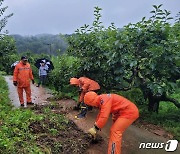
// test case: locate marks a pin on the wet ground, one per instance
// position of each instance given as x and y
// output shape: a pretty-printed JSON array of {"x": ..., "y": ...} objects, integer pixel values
[
  {"x": 39, "y": 94},
  {"x": 132, "y": 137}
]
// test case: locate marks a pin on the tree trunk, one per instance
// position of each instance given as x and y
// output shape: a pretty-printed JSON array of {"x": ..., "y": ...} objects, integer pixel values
[
  {"x": 153, "y": 105},
  {"x": 175, "y": 102},
  {"x": 155, "y": 100}
]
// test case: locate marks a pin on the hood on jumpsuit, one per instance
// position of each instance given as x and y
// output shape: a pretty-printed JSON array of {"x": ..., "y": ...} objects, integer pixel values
[
  {"x": 91, "y": 99},
  {"x": 74, "y": 81}
]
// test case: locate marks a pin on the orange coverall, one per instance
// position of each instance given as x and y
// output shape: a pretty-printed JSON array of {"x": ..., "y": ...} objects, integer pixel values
[
  {"x": 23, "y": 75},
  {"x": 124, "y": 113},
  {"x": 86, "y": 85}
]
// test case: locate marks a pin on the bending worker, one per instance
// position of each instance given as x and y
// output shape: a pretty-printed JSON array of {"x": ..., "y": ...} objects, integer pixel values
[
  {"x": 21, "y": 78},
  {"x": 123, "y": 111},
  {"x": 85, "y": 84}
]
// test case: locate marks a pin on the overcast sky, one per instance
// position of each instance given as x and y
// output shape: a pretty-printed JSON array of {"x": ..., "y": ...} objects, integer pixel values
[{"x": 65, "y": 16}]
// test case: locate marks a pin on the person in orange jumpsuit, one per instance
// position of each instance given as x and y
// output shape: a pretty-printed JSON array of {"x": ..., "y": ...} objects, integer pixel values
[
  {"x": 85, "y": 84},
  {"x": 123, "y": 111},
  {"x": 21, "y": 78}
]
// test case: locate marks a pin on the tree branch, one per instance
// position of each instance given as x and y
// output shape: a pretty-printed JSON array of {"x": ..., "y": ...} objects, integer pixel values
[{"x": 174, "y": 101}]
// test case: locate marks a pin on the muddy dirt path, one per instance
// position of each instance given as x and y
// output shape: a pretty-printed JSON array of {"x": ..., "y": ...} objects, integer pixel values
[
  {"x": 39, "y": 94},
  {"x": 132, "y": 137}
]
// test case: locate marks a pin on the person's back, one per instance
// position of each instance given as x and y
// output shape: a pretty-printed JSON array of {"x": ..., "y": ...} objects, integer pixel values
[
  {"x": 123, "y": 111},
  {"x": 119, "y": 104},
  {"x": 85, "y": 84},
  {"x": 88, "y": 84}
]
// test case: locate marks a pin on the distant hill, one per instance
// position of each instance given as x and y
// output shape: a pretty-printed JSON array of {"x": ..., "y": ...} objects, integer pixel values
[{"x": 41, "y": 43}]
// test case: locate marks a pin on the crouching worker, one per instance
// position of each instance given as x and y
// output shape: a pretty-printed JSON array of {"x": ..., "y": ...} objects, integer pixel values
[
  {"x": 123, "y": 111},
  {"x": 85, "y": 84}
]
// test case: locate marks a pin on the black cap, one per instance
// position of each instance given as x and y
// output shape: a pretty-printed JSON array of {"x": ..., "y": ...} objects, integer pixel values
[{"x": 24, "y": 58}]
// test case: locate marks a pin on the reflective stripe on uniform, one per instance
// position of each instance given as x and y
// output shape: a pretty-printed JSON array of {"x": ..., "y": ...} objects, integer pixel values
[
  {"x": 101, "y": 101},
  {"x": 109, "y": 95},
  {"x": 113, "y": 149}
]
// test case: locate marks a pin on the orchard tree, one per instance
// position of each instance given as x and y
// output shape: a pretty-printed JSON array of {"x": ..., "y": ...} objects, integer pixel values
[
  {"x": 143, "y": 55},
  {"x": 7, "y": 44},
  {"x": 149, "y": 53},
  {"x": 3, "y": 19},
  {"x": 7, "y": 53},
  {"x": 91, "y": 44}
]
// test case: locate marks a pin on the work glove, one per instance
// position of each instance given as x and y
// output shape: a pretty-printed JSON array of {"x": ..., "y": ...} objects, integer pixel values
[
  {"x": 32, "y": 81},
  {"x": 93, "y": 131},
  {"x": 15, "y": 83}
]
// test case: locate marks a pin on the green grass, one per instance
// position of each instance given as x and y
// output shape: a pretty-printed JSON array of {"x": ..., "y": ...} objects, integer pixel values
[
  {"x": 168, "y": 116},
  {"x": 15, "y": 133}
]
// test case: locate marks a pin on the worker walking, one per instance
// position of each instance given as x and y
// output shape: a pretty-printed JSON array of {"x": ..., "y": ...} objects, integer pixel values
[
  {"x": 123, "y": 111},
  {"x": 21, "y": 78},
  {"x": 85, "y": 84}
]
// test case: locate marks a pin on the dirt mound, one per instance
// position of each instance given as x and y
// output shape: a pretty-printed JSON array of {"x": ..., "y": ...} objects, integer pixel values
[{"x": 65, "y": 137}]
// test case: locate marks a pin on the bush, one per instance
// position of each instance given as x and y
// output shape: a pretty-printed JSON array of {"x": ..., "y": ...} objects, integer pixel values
[
  {"x": 135, "y": 95},
  {"x": 66, "y": 67}
]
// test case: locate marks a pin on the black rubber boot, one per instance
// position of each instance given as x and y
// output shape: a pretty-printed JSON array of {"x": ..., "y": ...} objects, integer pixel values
[
  {"x": 89, "y": 108},
  {"x": 38, "y": 85},
  {"x": 30, "y": 103},
  {"x": 82, "y": 114},
  {"x": 77, "y": 107}
]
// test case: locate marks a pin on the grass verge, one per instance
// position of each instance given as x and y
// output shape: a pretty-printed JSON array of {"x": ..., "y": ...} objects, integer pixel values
[{"x": 37, "y": 130}]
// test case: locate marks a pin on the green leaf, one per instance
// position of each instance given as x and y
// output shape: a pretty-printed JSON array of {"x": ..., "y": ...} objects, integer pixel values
[
  {"x": 155, "y": 7},
  {"x": 152, "y": 12},
  {"x": 169, "y": 18},
  {"x": 116, "y": 42},
  {"x": 160, "y": 13},
  {"x": 143, "y": 18},
  {"x": 160, "y": 5},
  {"x": 158, "y": 17}
]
